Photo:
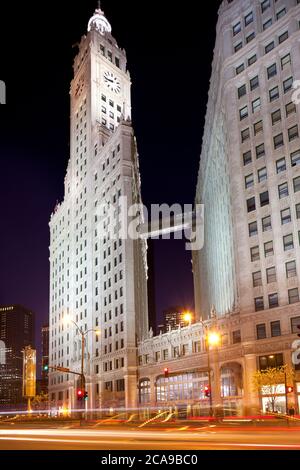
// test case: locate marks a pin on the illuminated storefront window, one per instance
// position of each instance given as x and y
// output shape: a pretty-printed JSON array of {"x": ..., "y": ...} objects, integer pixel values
[
  {"x": 144, "y": 391},
  {"x": 189, "y": 386}
]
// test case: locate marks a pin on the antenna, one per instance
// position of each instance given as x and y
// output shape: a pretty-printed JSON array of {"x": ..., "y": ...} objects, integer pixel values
[{"x": 99, "y": 4}]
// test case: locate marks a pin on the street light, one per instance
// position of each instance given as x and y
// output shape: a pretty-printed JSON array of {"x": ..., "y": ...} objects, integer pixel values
[{"x": 187, "y": 317}]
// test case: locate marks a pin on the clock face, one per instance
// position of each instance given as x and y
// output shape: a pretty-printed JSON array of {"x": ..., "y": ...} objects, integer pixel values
[{"x": 112, "y": 82}]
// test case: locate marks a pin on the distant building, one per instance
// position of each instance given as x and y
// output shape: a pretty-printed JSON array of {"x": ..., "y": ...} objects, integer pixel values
[
  {"x": 16, "y": 332},
  {"x": 173, "y": 318},
  {"x": 45, "y": 358}
]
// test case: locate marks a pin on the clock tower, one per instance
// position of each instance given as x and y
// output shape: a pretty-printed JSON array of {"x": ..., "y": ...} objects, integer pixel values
[{"x": 98, "y": 277}]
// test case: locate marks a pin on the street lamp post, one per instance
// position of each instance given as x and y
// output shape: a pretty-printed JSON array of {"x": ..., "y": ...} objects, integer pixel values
[{"x": 211, "y": 338}]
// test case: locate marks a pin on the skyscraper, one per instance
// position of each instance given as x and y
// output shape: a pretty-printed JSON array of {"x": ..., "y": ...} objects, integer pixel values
[
  {"x": 98, "y": 278},
  {"x": 16, "y": 332},
  {"x": 249, "y": 178}
]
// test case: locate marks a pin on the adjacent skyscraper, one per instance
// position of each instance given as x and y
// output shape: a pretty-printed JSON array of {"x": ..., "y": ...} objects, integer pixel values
[
  {"x": 249, "y": 178},
  {"x": 98, "y": 278}
]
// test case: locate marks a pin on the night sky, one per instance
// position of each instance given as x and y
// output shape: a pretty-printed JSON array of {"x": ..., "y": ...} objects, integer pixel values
[{"x": 170, "y": 50}]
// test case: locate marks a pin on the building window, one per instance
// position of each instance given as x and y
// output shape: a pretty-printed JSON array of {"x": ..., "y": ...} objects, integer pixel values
[
  {"x": 120, "y": 385},
  {"x": 247, "y": 157},
  {"x": 236, "y": 337},
  {"x": 286, "y": 60},
  {"x": 278, "y": 141},
  {"x": 267, "y": 24},
  {"x": 251, "y": 204},
  {"x": 266, "y": 224},
  {"x": 283, "y": 190},
  {"x": 269, "y": 47},
  {"x": 262, "y": 175},
  {"x": 293, "y": 296},
  {"x": 250, "y": 37},
  {"x": 249, "y": 18},
  {"x": 269, "y": 249},
  {"x": 157, "y": 356},
  {"x": 242, "y": 91},
  {"x": 283, "y": 37},
  {"x": 288, "y": 242},
  {"x": 236, "y": 28},
  {"x": 238, "y": 47},
  {"x": 252, "y": 60},
  {"x": 276, "y": 116},
  {"x": 274, "y": 93},
  {"x": 288, "y": 84},
  {"x": 240, "y": 69},
  {"x": 245, "y": 134},
  {"x": 271, "y": 275},
  {"x": 291, "y": 269},
  {"x": 290, "y": 108},
  {"x": 255, "y": 253},
  {"x": 249, "y": 181},
  {"x": 281, "y": 13},
  {"x": 260, "y": 151},
  {"x": 243, "y": 113},
  {"x": 286, "y": 217},
  {"x": 275, "y": 329},
  {"x": 272, "y": 71},
  {"x": 264, "y": 198},
  {"x": 293, "y": 133},
  {"x": 272, "y": 361},
  {"x": 295, "y": 322},
  {"x": 259, "y": 304},
  {"x": 265, "y": 5},
  {"x": 273, "y": 300},
  {"x": 296, "y": 183},
  {"x": 254, "y": 83},
  {"x": 253, "y": 229},
  {"x": 165, "y": 354},
  {"x": 261, "y": 332},
  {"x": 258, "y": 127},
  {"x": 281, "y": 165},
  {"x": 256, "y": 105},
  {"x": 257, "y": 279},
  {"x": 298, "y": 211}
]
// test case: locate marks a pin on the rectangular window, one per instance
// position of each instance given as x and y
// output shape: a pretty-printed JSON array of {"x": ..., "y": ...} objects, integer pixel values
[
  {"x": 247, "y": 157},
  {"x": 256, "y": 105},
  {"x": 251, "y": 204},
  {"x": 283, "y": 37},
  {"x": 293, "y": 296},
  {"x": 265, "y": 5},
  {"x": 252, "y": 60},
  {"x": 245, "y": 134},
  {"x": 276, "y": 116},
  {"x": 281, "y": 165},
  {"x": 286, "y": 217},
  {"x": 261, "y": 332},
  {"x": 298, "y": 211},
  {"x": 249, "y": 181},
  {"x": 249, "y": 18},
  {"x": 262, "y": 175},
  {"x": 267, "y": 24},
  {"x": 250, "y": 37},
  {"x": 109, "y": 55},
  {"x": 117, "y": 62},
  {"x": 272, "y": 361},
  {"x": 286, "y": 60},
  {"x": 274, "y": 93},
  {"x": 278, "y": 141},
  {"x": 240, "y": 69},
  {"x": 259, "y": 304},
  {"x": 293, "y": 133},
  {"x": 254, "y": 83},
  {"x": 242, "y": 91},
  {"x": 236, "y": 28},
  {"x": 290, "y": 108},
  {"x": 295, "y": 322},
  {"x": 271, "y": 275},
  {"x": 288, "y": 84},
  {"x": 260, "y": 151},
  {"x": 253, "y": 229},
  {"x": 238, "y": 47},
  {"x": 291, "y": 269},
  {"x": 296, "y": 183},
  {"x": 258, "y": 127},
  {"x": 243, "y": 113},
  {"x": 269, "y": 47},
  {"x": 266, "y": 224},
  {"x": 281, "y": 13},
  {"x": 283, "y": 190},
  {"x": 275, "y": 329},
  {"x": 272, "y": 71},
  {"x": 288, "y": 242},
  {"x": 236, "y": 337},
  {"x": 273, "y": 300},
  {"x": 255, "y": 254},
  {"x": 269, "y": 249},
  {"x": 257, "y": 279},
  {"x": 264, "y": 198}
]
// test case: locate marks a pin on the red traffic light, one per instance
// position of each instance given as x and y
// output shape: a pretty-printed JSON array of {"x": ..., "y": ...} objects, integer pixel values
[
  {"x": 166, "y": 371},
  {"x": 79, "y": 394},
  {"x": 207, "y": 391},
  {"x": 289, "y": 389}
]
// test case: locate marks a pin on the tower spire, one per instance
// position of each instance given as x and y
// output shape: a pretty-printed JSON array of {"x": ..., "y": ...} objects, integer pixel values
[{"x": 99, "y": 4}]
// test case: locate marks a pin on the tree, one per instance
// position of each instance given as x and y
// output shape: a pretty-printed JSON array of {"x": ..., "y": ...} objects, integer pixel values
[
  {"x": 40, "y": 401},
  {"x": 269, "y": 381}
]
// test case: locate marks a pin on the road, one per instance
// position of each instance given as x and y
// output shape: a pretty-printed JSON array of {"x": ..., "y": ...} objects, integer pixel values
[{"x": 179, "y": 438}]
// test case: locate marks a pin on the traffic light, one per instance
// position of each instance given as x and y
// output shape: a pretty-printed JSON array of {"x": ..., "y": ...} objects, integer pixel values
[
  {"x": 289, "y": 389},
  {"x": 45, "y": 368},
  {"x": 207, "y": 391},
  {"x": 80, "y": 395},
  {"x": 166, "y": 371},
  {"x": 86, "y": 396}
]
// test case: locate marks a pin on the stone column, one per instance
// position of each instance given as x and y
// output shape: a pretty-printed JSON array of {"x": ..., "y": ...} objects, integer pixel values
[
  {"x": 131, "y": 391},
  {"x": 251, "y": 396}
]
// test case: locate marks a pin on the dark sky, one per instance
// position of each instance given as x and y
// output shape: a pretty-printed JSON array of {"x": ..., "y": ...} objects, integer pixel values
[{"x": 169, "y": 52}]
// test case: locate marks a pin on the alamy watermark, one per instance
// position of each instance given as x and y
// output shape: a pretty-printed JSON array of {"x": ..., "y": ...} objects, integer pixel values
[{"x": 2, "y": 92}]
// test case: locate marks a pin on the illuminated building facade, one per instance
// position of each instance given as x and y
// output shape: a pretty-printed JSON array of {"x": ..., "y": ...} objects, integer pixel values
[{"x": 98, "y": 282}]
